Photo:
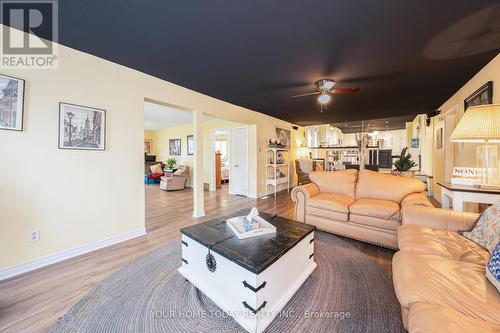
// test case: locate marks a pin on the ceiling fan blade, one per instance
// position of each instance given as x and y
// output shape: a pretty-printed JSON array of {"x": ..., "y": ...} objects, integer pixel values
[
  {"x": 287, "y": 85},
  {"x": 345, "y": 90},
  {"x": 372, "y": 78},
  {"x": 307, "y": 94}
]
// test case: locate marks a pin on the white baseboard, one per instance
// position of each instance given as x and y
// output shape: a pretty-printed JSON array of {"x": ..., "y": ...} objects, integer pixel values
[{"x": 11, "y": 271}]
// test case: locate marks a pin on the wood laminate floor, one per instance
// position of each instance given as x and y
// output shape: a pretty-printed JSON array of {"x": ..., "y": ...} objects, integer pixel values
[{"x": 33, "y": 302}]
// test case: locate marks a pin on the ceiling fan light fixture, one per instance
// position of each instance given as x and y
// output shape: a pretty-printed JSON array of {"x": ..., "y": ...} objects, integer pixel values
[
  {"x": 328, "y": 84},
  {"x": 324, "y": 98}
]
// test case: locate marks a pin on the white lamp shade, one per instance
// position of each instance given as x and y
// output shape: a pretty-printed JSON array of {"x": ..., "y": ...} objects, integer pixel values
[{"x": 478, "y": 124}]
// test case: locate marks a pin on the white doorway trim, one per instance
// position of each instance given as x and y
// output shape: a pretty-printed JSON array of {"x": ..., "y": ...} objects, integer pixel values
[{"x": 449, "y": 122}]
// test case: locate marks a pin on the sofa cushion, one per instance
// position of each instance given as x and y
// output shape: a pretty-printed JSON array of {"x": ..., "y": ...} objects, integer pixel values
[
  {"x": 452, "y": 284},
  {"x": 331, "y": 202},
  {"x": 382, "y": 209},
  {"x": 425, "y": 318},
  {"x": 374, "y": 222},
  {"x": 375, "y": 185},
  {"x": 326, "y": 214},
  {"x": 487, "y": 230},
  {"x": 447, "y": 244},
  {"x": 338, "y": 182},
  {"x": 180, "y": 171}
]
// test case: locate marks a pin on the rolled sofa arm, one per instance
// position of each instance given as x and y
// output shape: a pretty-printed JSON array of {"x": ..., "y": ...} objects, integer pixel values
[
  {"x": 437, "y": 218},
  {"x": 419, "y": 199},
  {"x": 300, "y": 195}
]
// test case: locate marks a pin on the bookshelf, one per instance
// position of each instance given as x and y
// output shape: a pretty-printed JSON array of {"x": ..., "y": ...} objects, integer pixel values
[{"x": 277, "y": 170}]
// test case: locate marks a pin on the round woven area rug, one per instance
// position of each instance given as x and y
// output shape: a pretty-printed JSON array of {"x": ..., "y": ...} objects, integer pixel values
[{"x": 347, "y": 292}]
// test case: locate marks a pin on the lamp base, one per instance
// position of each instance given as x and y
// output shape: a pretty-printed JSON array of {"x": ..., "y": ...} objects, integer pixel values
[{"x": 486, "y": 187}]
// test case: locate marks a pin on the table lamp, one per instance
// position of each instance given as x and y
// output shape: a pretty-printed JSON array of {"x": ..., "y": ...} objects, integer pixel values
[{"x": 482, "y": 124}]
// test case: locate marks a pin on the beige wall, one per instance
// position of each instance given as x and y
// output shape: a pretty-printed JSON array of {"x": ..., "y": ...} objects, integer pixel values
[
  {"x": 464, "y": 153},
  {"x": 78, "y": 197}
]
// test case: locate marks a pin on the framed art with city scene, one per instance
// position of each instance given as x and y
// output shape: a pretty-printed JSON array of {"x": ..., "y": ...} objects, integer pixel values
[
  {"x": 11, "y": 103},
  {"x": 174, "y": 147},
  {"x": 81, "y": 127}
]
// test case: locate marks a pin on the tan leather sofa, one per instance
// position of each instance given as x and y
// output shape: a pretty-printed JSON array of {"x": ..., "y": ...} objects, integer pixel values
[
  {"x": 439, "y": 276},
  {"x": 364, "y": 205}
]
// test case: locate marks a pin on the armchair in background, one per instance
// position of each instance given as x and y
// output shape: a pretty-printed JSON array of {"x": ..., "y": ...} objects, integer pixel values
[
  {"x": 303, "y": 167},
  {"x": 176, "y": 180}
]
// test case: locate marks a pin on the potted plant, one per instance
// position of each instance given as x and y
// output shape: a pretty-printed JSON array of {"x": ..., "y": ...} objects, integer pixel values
[
  {"x": 403, "y": 165},
  {"x": 170, "y": 164}
]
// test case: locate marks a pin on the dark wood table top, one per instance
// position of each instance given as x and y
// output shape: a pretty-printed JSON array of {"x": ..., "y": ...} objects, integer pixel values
[
  {"x": 465, "y": 188},
  {"x": 254, "y": 254}
]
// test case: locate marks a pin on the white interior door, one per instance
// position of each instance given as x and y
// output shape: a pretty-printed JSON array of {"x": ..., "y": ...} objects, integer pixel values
[{"x": 238, "y": 183}]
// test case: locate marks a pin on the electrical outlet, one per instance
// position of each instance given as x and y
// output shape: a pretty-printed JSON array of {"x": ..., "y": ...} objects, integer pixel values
[{"x": 34, "y": 235}]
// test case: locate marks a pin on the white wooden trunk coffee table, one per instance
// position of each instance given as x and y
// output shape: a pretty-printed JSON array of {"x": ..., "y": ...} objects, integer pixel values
[{"x": 253, "y": 278}]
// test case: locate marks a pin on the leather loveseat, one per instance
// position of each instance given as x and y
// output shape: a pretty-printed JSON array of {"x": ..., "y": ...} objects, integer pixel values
[
  {"x": 364, "y": 205},
  {"x": 439, "y": 276}
]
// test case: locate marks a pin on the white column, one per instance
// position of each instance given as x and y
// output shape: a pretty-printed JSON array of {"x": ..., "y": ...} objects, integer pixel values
[{"x": 198, "y": 200}]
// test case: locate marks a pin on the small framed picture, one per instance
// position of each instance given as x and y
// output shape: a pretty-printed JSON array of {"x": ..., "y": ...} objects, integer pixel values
[
  {"x": 11, "y": 103},
  {"x": 148, "y": 146},
  {"x": 484, "y": 95},
  {"x": 190, "y": 145},
  {"x": 283, "y": 137},
  {"x": 174, "y": 147},
  {"x": 81, "y": 127},
  {"x": 439, "y": 138}
]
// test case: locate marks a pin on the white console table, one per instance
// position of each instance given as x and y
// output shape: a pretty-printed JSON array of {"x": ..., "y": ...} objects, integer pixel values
[{"x": 458, "y": 194}]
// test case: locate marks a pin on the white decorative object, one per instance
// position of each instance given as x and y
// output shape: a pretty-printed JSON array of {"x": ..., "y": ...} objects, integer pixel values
[
  {"x": 234, "y": 289},
  {"x": 466, "y": 176},
  {"x": 237, "y": 225}
]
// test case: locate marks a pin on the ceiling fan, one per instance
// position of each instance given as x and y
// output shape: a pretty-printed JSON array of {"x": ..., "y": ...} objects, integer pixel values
[{"x": 325, "y": 90}]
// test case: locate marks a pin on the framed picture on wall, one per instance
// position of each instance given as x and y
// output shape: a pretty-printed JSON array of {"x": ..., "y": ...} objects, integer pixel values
[
  {"x": 283, "y": 136},
  {"x": 320, "y": 163},
  {"x": 174, "y": 147},
  {"x": 148, "y": 146},
  {"x": 439, "y": 138},
  {"x": 483, "y": 95},
  {"x": 81, "y": 127},
  {"x": 11, "y": 103},
  {"x": 190, "y": 145}
]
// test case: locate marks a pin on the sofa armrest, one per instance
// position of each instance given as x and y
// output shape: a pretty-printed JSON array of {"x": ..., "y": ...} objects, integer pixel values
[
  {"x": 419, "y": 199},
  {"x": 437, "y": 218},
  {"x": 300, "y": 195}
]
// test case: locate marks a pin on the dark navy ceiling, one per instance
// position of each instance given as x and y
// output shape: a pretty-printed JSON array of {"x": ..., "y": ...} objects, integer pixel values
[{"x": 406, "y": 56}]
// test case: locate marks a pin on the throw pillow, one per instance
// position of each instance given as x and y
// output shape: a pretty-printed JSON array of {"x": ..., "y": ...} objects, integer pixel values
[
  {"x": 493, "y": 268},
  {"x": 180, "y": 171},
  {"x": 156, "y": 168},
  {"x": 486, "y": 233}
]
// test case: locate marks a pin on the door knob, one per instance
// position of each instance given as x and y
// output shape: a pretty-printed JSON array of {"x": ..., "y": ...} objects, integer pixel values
[{"x": 236, "y": 166}]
